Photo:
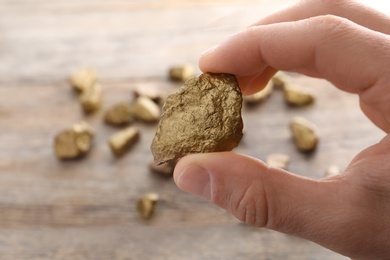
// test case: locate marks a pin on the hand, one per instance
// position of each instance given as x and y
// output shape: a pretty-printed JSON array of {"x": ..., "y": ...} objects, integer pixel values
[{"x": 350, "y": 213}]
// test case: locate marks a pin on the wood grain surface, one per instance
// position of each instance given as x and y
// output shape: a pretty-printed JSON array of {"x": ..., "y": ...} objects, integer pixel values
[{"x": 85, "y": 209}]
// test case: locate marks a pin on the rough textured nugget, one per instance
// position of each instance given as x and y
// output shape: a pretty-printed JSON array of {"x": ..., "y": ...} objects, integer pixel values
[
  {"x": 147, "y": 204},
  {"x": 297, "y": 97},
  {"x": 157, "y": 96},
  {"x": 145, "y": 110},
  {"x": 74, "y": 142},
  {"x": 123, "y": 140},
  {"x": 182, "y": 73},
  {"x": 202, "y": 116},
  {"x": 304, "y": 133},
  {"x": 119, "y": 114},
  {"x": 332, "y": 170},
  {"x": 83, "y": 79},
  {"x": 279, "y": 80},
  {"x": 278, "y": 160},
  {"x": 165, "y": 169},
  {"x": 92, "y": 98},
  {"x": 261, "y": 95}
]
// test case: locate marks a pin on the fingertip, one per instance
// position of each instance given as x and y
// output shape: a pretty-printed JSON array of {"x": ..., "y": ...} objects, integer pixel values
[{"x": 205, "y": 62}]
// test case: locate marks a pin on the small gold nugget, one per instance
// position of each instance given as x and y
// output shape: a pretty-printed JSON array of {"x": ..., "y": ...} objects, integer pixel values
[
  {"x": 144, "y": 109},
  {"x": 92, "y": 98},
  {"x": 297, "y": 97},
  {"x": 123, "y": 140},
  {"x": 83, "y": 79},
  {"x": 182, "y": 73},
  {"x": 278, "y": 160},
  {"x": 74, "y": 142},
  {"x": 153, "y": 94},
  {"x": 165, "y": 169},
  {"x": 304, "y": 133},
  {"x": 119, "y": 114},
  {"x": 259, "y": 96},
  {"x": 332, "y": 170},
  {"x": 147, "y": 204},
  {"x": 279, "y": 80}
]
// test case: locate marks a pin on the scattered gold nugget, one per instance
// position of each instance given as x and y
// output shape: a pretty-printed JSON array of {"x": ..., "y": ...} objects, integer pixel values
[
  {"x": 182, "y": 73},
  {"x": 304, "y": 133},
  {"x": 332, "y": 170},
  {"x": 92, "y": 98},
  {"x": 259, "y": 96},
  {"x": 123, "y": 140},
  {"x": 144, "y": 109},
  {"x": 83, "y": 79},
  {"x": 153, "y": 94},
  {"x": 279, "y": 80},
  {"x": 297, "y": 97},
  {"x": 147, "y": 204},
  {"x": 74, "y": 142},
  {"x": 278, "y": 160},
  {"x": 119, "y": 114},
  {"x": 165, "y": 169}
]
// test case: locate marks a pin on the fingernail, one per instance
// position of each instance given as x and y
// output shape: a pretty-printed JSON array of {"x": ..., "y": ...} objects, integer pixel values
[
  {"x": 196, "y": 180},
  {"x": 209, "y": 50}
]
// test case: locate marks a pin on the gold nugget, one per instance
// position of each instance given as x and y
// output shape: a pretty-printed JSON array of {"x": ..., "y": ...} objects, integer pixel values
[
  {"x": 119, "y": 114},
  {"x": 279, "y": 80},
  {"x": 144, "y": 109},
  {"x": 123, "y": 140},
  {"x": 182, "y": 73},
  {"x": 147, "y": 204},
  {"x": 202, "y": 116},
  {"x": 165, "y": 169},
  {"x": 83, "y": 79},
  {"x": 74, "y": 142},
  {"x": 92, "y": 98},
  {"x": 259, "y": 96},
  {"x": 297, "y": 97},
  {"x": 278, "y": 160},
  {"x": 304, "y": 133},
  {"x": 153, "y": 94},
  {"x": 332, "y": 170}
]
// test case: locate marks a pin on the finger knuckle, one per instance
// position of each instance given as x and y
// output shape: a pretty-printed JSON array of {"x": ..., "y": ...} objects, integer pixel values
[
  {"x": 331, "y": 5},
  {"x": 329, "y": 25},
  {"x": 250, "y": 207}
]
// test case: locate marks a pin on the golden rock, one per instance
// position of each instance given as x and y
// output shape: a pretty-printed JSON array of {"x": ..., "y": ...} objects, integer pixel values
[
  {"x": 157, "y": 96},
  {"x": 145, "y": 110},
  {"x": 260, "y": 96},
  {"x": 202, "y": 116},
  {"x": 304, "y": 134},
  {"x": 119, "y": 114},
  {"x": 83, "y": 79},
  {"x": 278, "y": 160},
  {"x": 279, "y": 80},
  {"x": 92, "y": 98},
  {"x": 297, "y": 97},
  {"x": 332, "y": 170},
  {"x": 182, "y": 73},
  {"x": 147, "y": 204},
  {"x": 165, "y": 169},
  {"x": 123, "y": 140},
  {"x": 74, "y": 142}
]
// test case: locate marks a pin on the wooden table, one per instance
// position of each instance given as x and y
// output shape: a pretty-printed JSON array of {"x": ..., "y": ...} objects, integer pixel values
[{"x": 85, "y": 209}]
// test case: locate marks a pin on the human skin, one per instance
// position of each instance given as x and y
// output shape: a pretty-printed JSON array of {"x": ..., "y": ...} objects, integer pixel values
[{"x": 347, "y": 44}]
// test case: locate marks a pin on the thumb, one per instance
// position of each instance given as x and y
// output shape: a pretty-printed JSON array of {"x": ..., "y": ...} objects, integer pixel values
[{"x": 262, "y": 196}]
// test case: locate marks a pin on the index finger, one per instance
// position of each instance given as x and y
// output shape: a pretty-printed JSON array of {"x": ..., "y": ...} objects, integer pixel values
[
  {"x": 351, "y": 10},
  {"x": 352, "y": 57}
]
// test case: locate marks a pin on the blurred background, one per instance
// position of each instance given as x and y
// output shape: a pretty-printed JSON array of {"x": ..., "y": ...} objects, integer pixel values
[{"x": 86, "y": 209}]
